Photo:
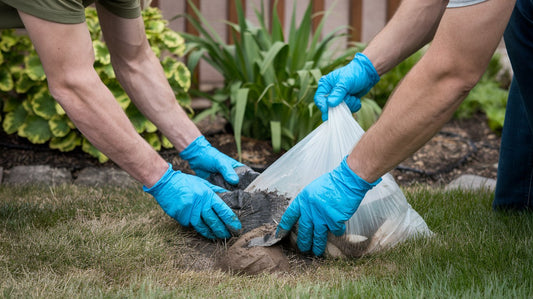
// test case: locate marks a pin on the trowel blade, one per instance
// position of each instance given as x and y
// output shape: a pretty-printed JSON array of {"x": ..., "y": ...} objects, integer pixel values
[{"x": 264, "y": 241}]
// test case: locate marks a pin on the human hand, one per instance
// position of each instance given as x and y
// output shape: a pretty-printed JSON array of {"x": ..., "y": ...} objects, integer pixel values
[
  {"x": 204, "y": 159},
  {"x": 324, "y": 205},
  {"x": 192, "y": 201},
  {"x": 348, "y": 83}
]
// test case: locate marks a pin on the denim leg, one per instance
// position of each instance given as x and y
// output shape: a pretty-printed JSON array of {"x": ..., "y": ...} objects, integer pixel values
[
  {"x": 514, "y": 187},
  {"x": 515, "y": 167}
]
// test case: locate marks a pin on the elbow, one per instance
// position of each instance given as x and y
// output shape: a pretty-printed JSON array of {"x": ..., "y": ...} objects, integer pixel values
[
  {"x": 464, "y": 80},
  {"x": 68, "y": 88},
  {"x": 456, "y": 77}
]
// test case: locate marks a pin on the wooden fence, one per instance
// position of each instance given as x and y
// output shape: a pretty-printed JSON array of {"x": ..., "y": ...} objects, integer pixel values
[{"x": 366, "y": 17}]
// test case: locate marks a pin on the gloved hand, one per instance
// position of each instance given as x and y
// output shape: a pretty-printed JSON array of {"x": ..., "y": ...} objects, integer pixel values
[
  {"x": 324, "y": 205},
  {"x": 204, "y": 159},
  {"x": 192, "y": 201},
  {"x": 348, "y": 83}
]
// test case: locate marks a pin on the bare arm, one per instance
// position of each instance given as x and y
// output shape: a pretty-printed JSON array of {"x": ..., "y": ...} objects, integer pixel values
[
  {"x": 67, "y": 56},
  {"x": 412, "y": 26},
  {"x": 431, "y": 92},
  {"x": 143, "y": 78}
]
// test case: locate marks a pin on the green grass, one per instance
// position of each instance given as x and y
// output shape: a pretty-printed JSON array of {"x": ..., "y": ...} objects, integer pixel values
[{"x": 73, "y": 241}]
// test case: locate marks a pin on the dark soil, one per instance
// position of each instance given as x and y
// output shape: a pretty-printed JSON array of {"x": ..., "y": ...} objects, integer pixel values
[{"x": 462, "y": 147}]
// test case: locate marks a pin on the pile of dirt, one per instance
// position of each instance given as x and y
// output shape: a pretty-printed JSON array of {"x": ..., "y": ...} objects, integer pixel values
[
  {"x": 241, "y": 258},
  {"x": 259, "y": 212}
]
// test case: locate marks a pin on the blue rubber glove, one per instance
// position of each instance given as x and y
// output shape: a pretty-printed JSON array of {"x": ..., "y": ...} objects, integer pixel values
[
  {"x": 324, "y": 205},
  {"x": 348, "y": 83},
  {"x": 204, "y": 159},
  {"x": 192, "y": 201}
]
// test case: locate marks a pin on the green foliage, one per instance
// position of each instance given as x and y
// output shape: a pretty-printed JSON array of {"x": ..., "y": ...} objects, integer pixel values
[
  {"x": 270, "y": 78},
  {"x": 487, "y": 96},
  {"x": 31, "y": 112}
]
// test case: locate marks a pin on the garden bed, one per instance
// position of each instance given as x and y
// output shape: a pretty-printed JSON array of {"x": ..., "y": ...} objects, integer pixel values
[{"x": 462, "y": 147}]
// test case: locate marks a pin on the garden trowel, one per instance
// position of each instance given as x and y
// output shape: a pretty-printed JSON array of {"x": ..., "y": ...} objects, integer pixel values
[{"x": 268, "y": 239}]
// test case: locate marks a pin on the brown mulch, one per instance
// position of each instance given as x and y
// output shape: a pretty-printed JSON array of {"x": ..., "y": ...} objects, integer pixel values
[{"x": 462, "y": 147}]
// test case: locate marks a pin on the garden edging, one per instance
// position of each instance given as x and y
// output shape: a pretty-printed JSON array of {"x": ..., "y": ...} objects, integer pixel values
[{"x": 109, "y": 176}]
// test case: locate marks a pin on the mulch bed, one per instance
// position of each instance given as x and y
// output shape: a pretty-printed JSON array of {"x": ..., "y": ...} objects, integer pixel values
[{"x": 462, "y": 147}]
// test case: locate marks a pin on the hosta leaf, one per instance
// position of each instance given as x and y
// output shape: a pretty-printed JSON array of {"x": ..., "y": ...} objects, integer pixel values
[
  {"x": 119, "y": 94},
  {"x": 14, "y": 119},
  {"x": 36, "y": 129},
  {"x": 150, "y": 127},
  {"x": 155, "y": 26},
  {"x": 67, "y": 143},
  {"x": 6, "y": 81},
  {"x": 1, "y": 58},
  {"x": 59, "y": 109},
  {"x": 8, "y": 40},
  {"x": 27, "y": 106},
  {"x": 169, "y": 66},
  {"x": 153, "y": 140},
  {"x": 93, "y": 151},
  {"x": 105, "y": 71},
  {"x": 59, "y": 126},
  {"x": 10, "y": 104},
  {"x": 101, "y": 52},
  {"x": 156, "y": 50},
  {"x": 137, "y": 119},
  {"x": 182, "y": 75},
  {"x": 34, "y": 69},
  {"x": 174, "y": 41},
  {"x": 44, "y": 105},
  {"x": 24, "y": 83},
  {"x": 123, "y": 100},
  {"x": 166, "y": 143}
]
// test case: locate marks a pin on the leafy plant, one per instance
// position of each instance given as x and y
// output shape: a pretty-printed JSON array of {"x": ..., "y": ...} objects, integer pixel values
[
  {"x": 31, "y": 112},
  {"x": 270, "y": 79},
  {"x": 488, "y": 96}
]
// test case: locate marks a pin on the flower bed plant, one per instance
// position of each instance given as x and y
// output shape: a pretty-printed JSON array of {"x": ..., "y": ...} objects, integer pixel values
[
  {"x": 29, "y": 110},
  {"x": 269, "y": 78}
]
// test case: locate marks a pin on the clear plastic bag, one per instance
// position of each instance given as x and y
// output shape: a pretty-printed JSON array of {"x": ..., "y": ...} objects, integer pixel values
[{"x": 384, "y": 217}]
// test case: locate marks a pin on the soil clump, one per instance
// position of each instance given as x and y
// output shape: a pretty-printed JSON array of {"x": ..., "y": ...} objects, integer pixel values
[{"x": 242, "y": 259}]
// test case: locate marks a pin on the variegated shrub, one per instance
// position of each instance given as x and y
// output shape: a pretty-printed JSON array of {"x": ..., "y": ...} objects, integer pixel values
[{"x": 29, "y": 110}]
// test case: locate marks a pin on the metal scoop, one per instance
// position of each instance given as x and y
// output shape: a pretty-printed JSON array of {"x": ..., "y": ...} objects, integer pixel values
[{"x": 268, "y": 239}]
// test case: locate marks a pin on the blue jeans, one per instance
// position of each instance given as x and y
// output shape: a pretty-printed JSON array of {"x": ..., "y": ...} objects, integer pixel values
[{"x": 514, "y": 187}]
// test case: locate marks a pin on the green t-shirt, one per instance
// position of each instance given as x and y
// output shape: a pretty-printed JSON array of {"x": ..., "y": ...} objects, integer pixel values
[{"x": 65, "y": 11}]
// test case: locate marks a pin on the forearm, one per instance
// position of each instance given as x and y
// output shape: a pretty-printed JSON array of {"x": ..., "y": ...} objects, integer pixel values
[
  {"x": 141, "y": 75},
  {"x": 412, "y": 26},
  {"x": 434, "y": 88},
  {"x": 95, "y": 112},
  {"x": 144, "y": 81},
  {"x": 414, "y": 113}
]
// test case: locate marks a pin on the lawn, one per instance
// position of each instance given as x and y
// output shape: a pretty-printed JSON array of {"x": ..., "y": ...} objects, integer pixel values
[{"x": 73, "y": 241}]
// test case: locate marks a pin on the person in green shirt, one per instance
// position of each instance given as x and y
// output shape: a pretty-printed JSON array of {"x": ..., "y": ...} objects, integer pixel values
[{"x": 61, "y": 38}]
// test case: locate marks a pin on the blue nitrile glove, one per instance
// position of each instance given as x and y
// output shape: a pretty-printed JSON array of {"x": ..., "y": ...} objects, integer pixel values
[
  {"x": 204, "y": 159},
  {"x": 324, "y": 205},
  {"x": 348, "y": 83},
  {"x": 192, "y": 201}
]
